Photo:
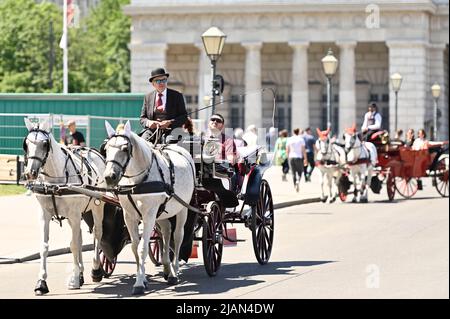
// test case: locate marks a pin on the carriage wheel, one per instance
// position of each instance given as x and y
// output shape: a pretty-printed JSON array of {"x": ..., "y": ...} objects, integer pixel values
[
  {"x": 390, "y": 186},
  {"x": 440, "y": 178},
  {"x": 155, "y": 248},
  {"x": 107, "y": 265},
  {"x": 212, "y": 240},
  {"x": 263, "y": 224},
  {"x": 407, "y": 187}
]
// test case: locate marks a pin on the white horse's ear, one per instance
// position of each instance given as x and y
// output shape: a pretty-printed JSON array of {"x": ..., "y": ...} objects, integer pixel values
[
  {"x": 28, "y": 124},
  {"x": 127, "y": 128},
  {"x": 109, "y": 129},
  {"x": 45, "y": 126}
]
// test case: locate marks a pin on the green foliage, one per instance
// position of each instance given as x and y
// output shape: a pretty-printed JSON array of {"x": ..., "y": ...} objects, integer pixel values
[
  {"x": 99, "y": 55},
  {"x": 25, "y": 46},
  {"x": 7, "y": 190},
  {"x": 99, "y": 59}
]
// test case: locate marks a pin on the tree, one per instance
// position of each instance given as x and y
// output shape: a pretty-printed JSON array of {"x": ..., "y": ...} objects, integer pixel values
[
  {"x": 28, "y": 49},
  {"x": 99, "y": 59}
]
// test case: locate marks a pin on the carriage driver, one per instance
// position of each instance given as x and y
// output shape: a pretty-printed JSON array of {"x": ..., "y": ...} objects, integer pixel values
[
  {"x": 372, "y": 121},
  {"x": 162, "y": 108}
]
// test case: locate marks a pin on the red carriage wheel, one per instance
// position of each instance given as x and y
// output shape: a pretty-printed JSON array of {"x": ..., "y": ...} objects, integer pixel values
[
  {"x": 390, "y": 186},
  {"x": 107, "y": 265},
  {"x": 263, "y": 224},
  {"x": 407, "y": 187},
  {"x": 155, "y": 248},
  {"x": 440, "y": 178},
  {"x": 212, "y": 239}
]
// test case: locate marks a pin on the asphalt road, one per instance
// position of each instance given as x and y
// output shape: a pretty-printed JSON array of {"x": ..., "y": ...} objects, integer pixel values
[{"x": 340, "y": 250}]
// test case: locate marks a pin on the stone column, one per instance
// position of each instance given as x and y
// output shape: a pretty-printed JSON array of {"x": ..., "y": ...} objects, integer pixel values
[
  {"x": 437, "y": 73},
  {"x": 204, "y": 84},
  {"x": 347, "y": 92},
  {"x": 410, "y": 60},
  {"x": 300, "y": 89},
  {"x": 253, "y": 102},
  {"x": 144, "y": 58}
]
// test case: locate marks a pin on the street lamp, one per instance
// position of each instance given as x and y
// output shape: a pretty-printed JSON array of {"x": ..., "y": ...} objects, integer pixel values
[
  {"x": 396, "y": 82},
  {"x": 213, "y": 41},
  {"x": 330, "y": 64},
  {"x": 435, "y": 91}
]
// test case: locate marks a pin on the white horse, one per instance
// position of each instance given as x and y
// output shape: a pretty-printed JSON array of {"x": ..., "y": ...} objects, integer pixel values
[
  {"x": 50, "y": 167},
  {"x": 329, "y": 159},
  {"x": 361, "y": 159},
  {"x": 132, "y": 162}
]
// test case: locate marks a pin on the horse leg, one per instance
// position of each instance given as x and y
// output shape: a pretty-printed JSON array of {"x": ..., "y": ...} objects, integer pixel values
[
  {"x": 330, "y": 188},
  {"x": 133, "y": 230},
  {"x": 166, "y": 230},
  {"x": 323, "y": 198},
  {"x": 355, "y": 187},
  {"x": 75, "y": 247},
  {"x": 178, "y": 239},
  {"x": 80, "y": 259},
  {"x": 41, "y": 285},
  {"x": 97, "y": 214}
]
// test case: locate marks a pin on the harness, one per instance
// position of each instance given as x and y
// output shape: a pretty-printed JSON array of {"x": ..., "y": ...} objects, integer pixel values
[{"x": 60, "y": 189}]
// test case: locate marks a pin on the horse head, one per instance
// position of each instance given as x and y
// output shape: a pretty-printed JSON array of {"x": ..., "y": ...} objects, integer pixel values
[
  {"x": 350, "y": 138},
  {"x": 118, "y": 153},
  {"x": 36, "y": 146},
  {"x": 324, "y": 141}
]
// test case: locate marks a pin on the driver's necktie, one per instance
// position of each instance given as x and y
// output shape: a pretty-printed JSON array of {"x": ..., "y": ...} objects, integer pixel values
[{"x": 159, "y": 103}]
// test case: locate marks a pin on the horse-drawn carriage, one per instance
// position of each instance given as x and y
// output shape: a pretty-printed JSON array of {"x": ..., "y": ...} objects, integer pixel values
[
  {"x": 401, "y": 168},
  {"x": 191, "y": 186}
]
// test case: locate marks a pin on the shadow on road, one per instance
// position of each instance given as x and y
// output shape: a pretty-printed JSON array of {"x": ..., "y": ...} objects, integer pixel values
[{"x": 195, "y": 281}]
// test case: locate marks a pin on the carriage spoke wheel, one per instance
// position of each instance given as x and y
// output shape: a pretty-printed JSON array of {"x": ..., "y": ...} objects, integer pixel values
[
  {"x": 212, "y": 239},
  {"x": 407, "y": 187},
  {"x": 440, "y": 178},
  {"x": 263, "y": 224},
  {"x": 155, "y": 247},
  {"x": 107, "y": 265},
  {"x": 390, "y": 186}
]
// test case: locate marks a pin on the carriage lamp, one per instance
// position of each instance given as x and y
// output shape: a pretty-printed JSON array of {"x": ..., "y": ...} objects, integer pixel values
[
  {"x": 213, "y": 41},
  {"x": 396, "y": 83},
  {"x": 436, "y": 92},
  {"x": 330, "y": 64}
]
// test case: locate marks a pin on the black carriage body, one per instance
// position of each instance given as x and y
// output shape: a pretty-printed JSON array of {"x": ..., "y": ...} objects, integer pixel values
[{"x": 253, "y": 185}]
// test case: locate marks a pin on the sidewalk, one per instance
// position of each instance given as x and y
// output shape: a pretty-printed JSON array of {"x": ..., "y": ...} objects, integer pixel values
[{"x": 20, "y": 231}]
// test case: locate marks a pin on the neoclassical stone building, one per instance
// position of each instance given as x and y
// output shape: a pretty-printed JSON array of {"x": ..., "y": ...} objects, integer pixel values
[{"x": 279, "y": 44}]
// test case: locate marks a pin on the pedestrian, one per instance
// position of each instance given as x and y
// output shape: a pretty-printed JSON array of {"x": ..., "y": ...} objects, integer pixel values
[
  {"x": 75, "y": 138},
  {"x": 280, "y": 153},
  {"x": 163, "y": 108},
  {"x": 238, "y": 140},
  {"x": 250, "y": 136},
  {"x": 296, "y": 152},
  {"x": 310, "y": 142}
]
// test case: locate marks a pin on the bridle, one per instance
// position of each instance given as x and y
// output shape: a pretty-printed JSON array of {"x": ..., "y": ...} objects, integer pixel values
[
  {"x": 127, "y": 148},
  {"x": 45, "y": 142}
]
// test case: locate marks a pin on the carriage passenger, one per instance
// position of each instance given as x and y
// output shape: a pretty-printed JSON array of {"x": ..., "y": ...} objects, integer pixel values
[
  {"x": 410, "y": 137},
  {"x": 216, "y": 126},
  {"x": 372, "y": 121},
  {"x": 420, "y": 143}
]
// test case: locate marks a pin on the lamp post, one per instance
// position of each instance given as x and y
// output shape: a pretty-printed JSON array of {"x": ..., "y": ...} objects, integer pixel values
[
  {"x": 396, "y": 82},
  {"x": 213, "y": 41},
  {"x": 435, "y": 91},
  {"x": 330, "y": 64}
]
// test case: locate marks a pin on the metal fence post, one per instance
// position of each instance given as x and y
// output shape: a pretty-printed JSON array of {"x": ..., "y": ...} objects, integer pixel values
[{"x": 88, "y": 131}]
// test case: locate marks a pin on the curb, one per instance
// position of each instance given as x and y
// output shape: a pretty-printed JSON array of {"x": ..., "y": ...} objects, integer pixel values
[{"x": 89, "y": 247}]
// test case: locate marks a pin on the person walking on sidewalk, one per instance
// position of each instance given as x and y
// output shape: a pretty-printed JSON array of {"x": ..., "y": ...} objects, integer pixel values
[
  {"x": 310, "y": 142},
  {"x": 280, "y": 153},
  {"x": 296, "y": 151}
]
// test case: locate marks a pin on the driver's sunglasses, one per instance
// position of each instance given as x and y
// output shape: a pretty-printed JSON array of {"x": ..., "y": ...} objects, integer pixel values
[
  {"x": 161, "y": 81},
  {"x": 216, "y": 120}
]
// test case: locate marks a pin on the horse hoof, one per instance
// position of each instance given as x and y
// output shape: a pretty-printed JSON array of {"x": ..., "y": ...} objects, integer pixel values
[
  {"x": 97, "y": 275},
  {"x": 364, "y": 200},
  {"x": 332, "y": 200},
  {"x": 354, "y": 200},
  {"x": 73, "y": 284},
  {"x": 172, "y": 281},
  {"x": 324, "y": 199},
  {"x": 138, "y": 290},
  {"x": 166, "y": 276},
  {"x": 41, "y": 288},
  {"x": 81, "y": 279}
]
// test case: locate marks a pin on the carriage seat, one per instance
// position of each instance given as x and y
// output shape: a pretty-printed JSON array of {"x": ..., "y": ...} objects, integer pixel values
[{"x": 228, "y": 198}]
